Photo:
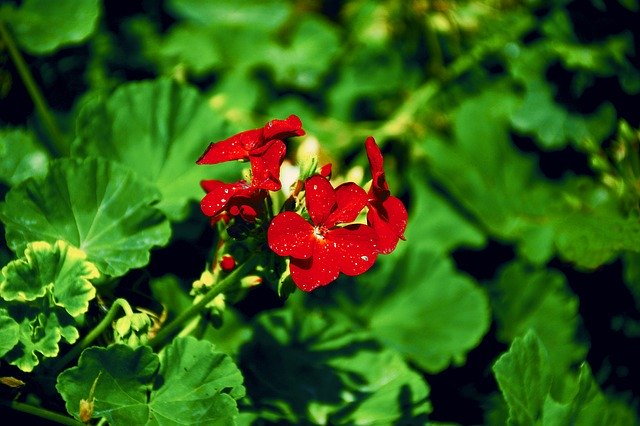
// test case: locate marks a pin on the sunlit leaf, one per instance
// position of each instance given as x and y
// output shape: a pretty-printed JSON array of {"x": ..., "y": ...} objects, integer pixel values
[
  {"x": 42, "y": 26},
  {"x": 266, "y": 14},
  {"x": 41, "y": 330},
  {"x": 159, "y": 129},
  {"x": 21, "y": 156},
  {"x": 307, "y": 56},
  {"x": 58, "y": 268},
  {"x": 306, "y": 366},
  {"x": 123, "y": 377},
  {"x": 100, "y": 207},
  {"x": 190, "y": 383},
  {"x": 9, "y": 332}
]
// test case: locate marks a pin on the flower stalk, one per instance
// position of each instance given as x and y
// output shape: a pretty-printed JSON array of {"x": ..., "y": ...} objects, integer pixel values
[
  {"x": 95, "y": 333},
  {"x": 168, "y": 331}
]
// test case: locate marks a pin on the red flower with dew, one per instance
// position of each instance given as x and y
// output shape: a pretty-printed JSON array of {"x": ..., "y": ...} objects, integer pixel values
[
  {"x": 387, "y": 214},
  {"x": 263, "y": 147},
  {"x": 236, "y": 199},
  {"x": 320, "y": 250}
]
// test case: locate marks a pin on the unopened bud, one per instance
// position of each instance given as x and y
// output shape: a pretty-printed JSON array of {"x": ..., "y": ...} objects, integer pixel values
[
  {"x": 227, "y": 263},
  {"x": 250, "y": 281}
]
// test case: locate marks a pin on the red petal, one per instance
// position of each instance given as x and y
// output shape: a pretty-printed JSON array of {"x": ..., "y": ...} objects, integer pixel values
[
  {"x": 320, "y": 198},
  {"x": 290, "y": 235},
  {"x": 355, "y": 248},
  {"x": 325, "y": 171},
  {"x": 350, "y": 200},
  {"x": 226, "y": 150},
  {"x": 280, "y": 129},
  {"x": 376, "y": 162},
  {"x": 320, "y": 269},
  {"x": 379, "y": 187},
  {"x": 219, "y": 195},
  {"x": 389, "y": 220},
  {"x": 265, "y": 165}
]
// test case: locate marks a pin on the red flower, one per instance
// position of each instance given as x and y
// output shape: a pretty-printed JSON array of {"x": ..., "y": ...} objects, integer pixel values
[
  {"x": 320, "y": 251},
  {"x": 387, "y": 215},
  {"x": 263, "y": 147},
  {"x": 237, "y": 199}
]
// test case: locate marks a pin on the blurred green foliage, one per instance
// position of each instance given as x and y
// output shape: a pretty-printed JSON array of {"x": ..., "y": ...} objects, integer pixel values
[{"x": 508, "y": 126}]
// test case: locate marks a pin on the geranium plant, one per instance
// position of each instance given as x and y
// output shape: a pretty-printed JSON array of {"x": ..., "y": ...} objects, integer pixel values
[{"x": 334, "y": 213}]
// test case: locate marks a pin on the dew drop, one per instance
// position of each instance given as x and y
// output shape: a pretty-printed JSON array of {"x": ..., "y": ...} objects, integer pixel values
[{"x": 365, "y": 258}]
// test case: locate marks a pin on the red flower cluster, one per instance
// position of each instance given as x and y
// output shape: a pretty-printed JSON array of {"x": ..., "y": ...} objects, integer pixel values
[
  {"x": 265, "y": 150},
  {"x": 331, "y": 242}
]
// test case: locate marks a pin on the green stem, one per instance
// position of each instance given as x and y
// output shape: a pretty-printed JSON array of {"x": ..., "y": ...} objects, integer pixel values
[
  {"x": 94, "y": 334},
  {"x": 168, "y": 331},
  {"x": 41, "y": 412},
  {"x": 39, "y": 101}
]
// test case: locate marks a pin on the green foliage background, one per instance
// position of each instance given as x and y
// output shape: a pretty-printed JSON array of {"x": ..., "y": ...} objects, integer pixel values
[{"x": 509, "y": 128}]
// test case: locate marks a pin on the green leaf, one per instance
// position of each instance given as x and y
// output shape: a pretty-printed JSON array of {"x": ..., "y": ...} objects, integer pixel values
[
  {"x": 159, "y": 129},
  {"x": 598, "y": 237},
  {"x": 435, "y": 225},
  {"x": 524, "y": 377},
  {"x": 306, "y": 59},
  {"x": 418, "y": 304},
  {"x": 123, "y": 377},
  {"x": 41, "y": 293},
  {"x": 43, "y": 26},
  {"x": 9, "y": 332},
  {"x": 259, "y": 14},
  {"x": 307, "y": 367},
  {"x": 553, "y": 125},
  {"x": 100, "y": 207},
  {"x": 502, "y": 187},
  {"x": 39, "y": 333},
  {"x": 367, "y": 73},
  {"x": 526, "y": 298},
  {"x": 21, "y": 156},
  {"x": 243, "y": 33},
  {"x": 199, "y": 385},
  {"x": 190, "y": 383},
  {"x": 58, "y": 268}
]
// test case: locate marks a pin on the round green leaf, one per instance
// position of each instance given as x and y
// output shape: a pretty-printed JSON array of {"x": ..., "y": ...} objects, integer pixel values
[
  {"x": 20, "y": 156},
  {"x": 190, "y": 383},
  {"x": 100, "y": 207},
  {"x": 159, "y": 129},
  {"x": 59, "y": 267},
  {"x": 43, "y": 26},
  {"x": 200, "y": 385},
  {"x": 122, "y": 376},
  {"x": 419, "y": 305}
]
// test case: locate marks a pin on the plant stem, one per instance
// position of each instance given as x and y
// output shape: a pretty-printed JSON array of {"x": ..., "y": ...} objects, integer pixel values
[
  {"x": 93, "y": 334},
  {"x": 58, "y": 140},
  {"x": 167, "y": 332},
  {"x": 41, "y": 412}
]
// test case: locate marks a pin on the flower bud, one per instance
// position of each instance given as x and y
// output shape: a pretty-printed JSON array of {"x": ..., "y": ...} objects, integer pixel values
[{"x": 227, "y": 263}]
